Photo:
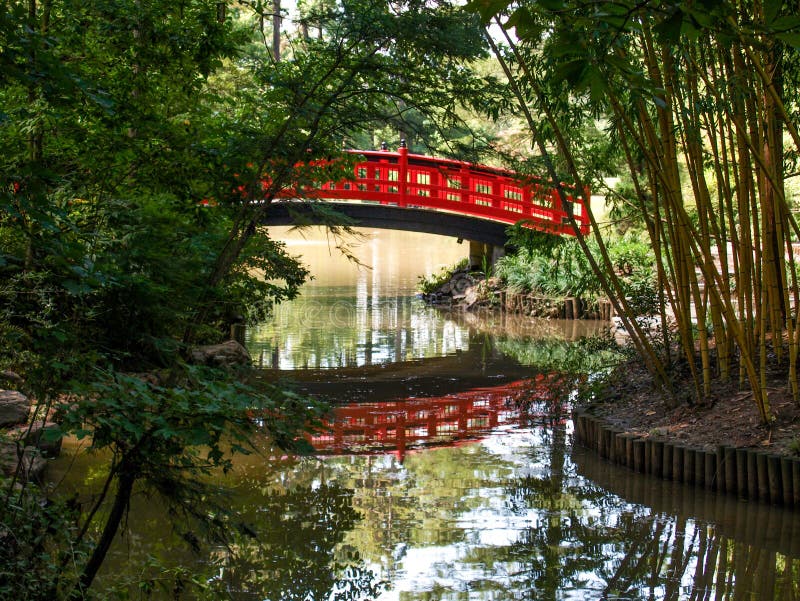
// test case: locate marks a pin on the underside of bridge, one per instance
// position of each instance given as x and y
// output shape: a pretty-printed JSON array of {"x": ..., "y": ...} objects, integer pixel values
[{"x": 487, "y": 238}]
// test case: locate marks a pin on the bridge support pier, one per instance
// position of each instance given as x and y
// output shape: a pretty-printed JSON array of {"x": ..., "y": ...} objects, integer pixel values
[{"x": 483, "y": 255}]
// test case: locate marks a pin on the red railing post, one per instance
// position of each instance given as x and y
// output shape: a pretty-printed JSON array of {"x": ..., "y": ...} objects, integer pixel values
[
  {"x": 436, "y": 188},
  {"x": 466, "y": 185},
  {"x": 527, "y": 199},
  {"x": 402, "y": 167}
]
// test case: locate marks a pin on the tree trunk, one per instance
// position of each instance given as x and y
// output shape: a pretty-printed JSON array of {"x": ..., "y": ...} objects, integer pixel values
[
  {"x": 276, "y": 30},
  {"x": 118, "y": 509}
]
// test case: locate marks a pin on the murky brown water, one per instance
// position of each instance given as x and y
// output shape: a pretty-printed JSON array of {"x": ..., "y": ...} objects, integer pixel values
[{"x": 449, "y": 473}]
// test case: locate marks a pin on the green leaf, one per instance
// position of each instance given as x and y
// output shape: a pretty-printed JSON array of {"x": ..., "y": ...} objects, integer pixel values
[
  {"x": 597, "y": 85},
  {"x": 76, "y": 288},
  {"x": 787, "y": 24},
  {"x": 792, "y": 39},
  {"x": 669, "y": 29},
  {"x": 527, "y": 26},
  {"x": 58, "y": 334},
  {"x": 704, "y": 18},
  {"x": 487, "y": 9},
  {"x": 52, "y": 433},
  {"x": 572, "y": 71},
  {"x": 772, "y": 9},
  {"x": 554, "y": 5}
]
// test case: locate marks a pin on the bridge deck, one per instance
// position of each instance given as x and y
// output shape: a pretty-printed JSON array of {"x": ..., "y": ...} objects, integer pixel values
[{"x": 415, "y": 181}]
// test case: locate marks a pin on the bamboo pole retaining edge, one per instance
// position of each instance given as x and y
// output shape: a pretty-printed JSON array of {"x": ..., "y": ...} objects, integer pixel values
[{"x": 747, "y": 473}]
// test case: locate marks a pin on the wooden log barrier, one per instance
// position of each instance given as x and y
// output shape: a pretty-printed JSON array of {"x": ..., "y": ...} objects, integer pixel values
[
  {"x": 774, "y": 478},
  {"x": 761, "y": 476},
  {"x": 677, "y": 463},
  {"x": 721, "y": 468},
  {"x": 730, "y": 470},
  {"x": 638, "y": 455},
  {"x": 752, "y": 475},
  {"x": 619, "y": 448},
  {"x": 688, "y": 466},
  {"x": 786, "y": 480},
  {"x": 629, "y": 438},
  {"x": 711, "y": 471},
  {"x": 666, "y": 465},
  {"x": 747, "y": 473},
  {"x": 741, "y": 473},
  {"x": 700, "y": 468},
  {"x": 657, "y": 458},
  {"x": 569, "y": 312},
  {"x": 796, "y": 480}
]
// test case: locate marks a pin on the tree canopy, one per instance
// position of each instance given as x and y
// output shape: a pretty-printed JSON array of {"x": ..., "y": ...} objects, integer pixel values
[{"x": 141, "y": 143}]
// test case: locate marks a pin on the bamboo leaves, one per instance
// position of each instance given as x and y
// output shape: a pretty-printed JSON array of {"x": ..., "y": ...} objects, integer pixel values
[{"x": 695, "y": 94}]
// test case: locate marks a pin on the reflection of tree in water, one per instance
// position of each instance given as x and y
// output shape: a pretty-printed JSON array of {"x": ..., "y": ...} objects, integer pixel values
[
  {"x": 332, "y": 328},
  {"x": 582, "y": 356},
  {"x": 290, "y": 555},
  {"x": 584, "y": 539},
  {"x": 561, "y": 536}
]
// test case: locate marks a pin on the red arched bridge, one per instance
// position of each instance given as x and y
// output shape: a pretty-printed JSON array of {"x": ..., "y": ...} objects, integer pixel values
[{"x": 399, "y": 190}]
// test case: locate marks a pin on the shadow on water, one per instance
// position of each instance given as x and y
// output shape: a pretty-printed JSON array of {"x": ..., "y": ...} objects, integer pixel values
[
  {"x": 486, "y": 360},
  {"x": 281, "y": 541},
  {"x": 289, "y": 551},
  {"x": 480, "y": 364}
]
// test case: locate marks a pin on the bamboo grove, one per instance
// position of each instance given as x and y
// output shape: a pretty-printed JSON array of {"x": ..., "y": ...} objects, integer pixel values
[{"x": 700, "y": 100}]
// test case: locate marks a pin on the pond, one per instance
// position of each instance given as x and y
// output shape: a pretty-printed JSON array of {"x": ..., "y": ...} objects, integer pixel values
[{"x": 449, "y": 473}]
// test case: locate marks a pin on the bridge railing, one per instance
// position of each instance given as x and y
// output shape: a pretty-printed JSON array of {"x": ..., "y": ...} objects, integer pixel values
[{"x": 417, "y": 181}]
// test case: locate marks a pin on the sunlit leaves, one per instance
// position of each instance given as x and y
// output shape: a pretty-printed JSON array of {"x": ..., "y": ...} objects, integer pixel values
[
  {"x": 525, "y": 24},
  {"x": 190, "y": 424},
  {"x": 488, "y": 8}
]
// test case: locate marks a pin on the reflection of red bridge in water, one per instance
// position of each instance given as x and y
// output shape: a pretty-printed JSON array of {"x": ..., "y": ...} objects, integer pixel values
[{"x": 363, "y": 428}]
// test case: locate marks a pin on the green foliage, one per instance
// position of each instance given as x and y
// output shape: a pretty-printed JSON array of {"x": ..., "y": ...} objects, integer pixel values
[
  {"x": 643, "y": 296},
  {"x": 562, "y": 272},
  {"x": 631, "y": 254},
  {"x": 37, "y": 544},
  {"x": 140, "y": 147},
  {"x": 305, "y": 564},
  {"x": 559, "y": 269},
  {"x": 533, "y": 240},
  {"x": 431, "y": 283},
  {"x": 183, "y": 426},
  {"x": 521, "y": 272},
  {"x": 105, "y": 242},
  {"x": 165, "y": 439}
]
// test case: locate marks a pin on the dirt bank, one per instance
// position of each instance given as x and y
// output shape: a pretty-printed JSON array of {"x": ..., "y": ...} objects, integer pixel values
[{"x": 631, "y": 403}]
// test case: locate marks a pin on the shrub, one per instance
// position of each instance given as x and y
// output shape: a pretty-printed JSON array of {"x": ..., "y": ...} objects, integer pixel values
[{"x": 431, "y": 283}]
